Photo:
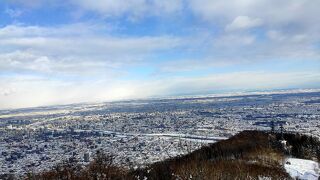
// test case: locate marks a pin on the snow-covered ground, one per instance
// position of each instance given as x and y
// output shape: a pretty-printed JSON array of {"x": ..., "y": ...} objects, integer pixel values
[{"x": 302, "y": 169}]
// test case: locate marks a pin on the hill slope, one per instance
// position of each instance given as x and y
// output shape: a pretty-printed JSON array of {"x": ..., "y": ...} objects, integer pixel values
[{"x": 247, "y": 155}]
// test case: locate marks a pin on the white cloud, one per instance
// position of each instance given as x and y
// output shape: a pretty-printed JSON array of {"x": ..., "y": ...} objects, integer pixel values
[
  {"x": 33, "y": 91},
  {"x": 291, "y": 28},
  {"x": 131, "y": 8},
  {"x": 239, "y": 81},
  {"x": 234, "y": 40},
  {"x": 279, "y": 36},
  {"x": 14, "y": 12},
  {"x": 290, "y": 16},
  {"x": 18, "y": 61},
  {"x": 54, "y": 50},
  {"x": 275, "y": 35},
  {"x": 243, "y": 22},
  {"x": 269, "y": 10}
]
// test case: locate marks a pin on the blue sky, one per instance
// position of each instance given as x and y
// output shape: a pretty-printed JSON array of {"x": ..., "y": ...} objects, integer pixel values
[{"x": 69, "y": 51}]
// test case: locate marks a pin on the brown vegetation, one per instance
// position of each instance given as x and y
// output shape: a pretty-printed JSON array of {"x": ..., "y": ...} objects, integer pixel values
[
  {"x": 303, "y": 146},
  {"x": 250, "y": 154}
]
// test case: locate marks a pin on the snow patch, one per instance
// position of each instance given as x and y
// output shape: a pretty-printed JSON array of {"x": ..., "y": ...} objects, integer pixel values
[{"x": 302, "y": 169}]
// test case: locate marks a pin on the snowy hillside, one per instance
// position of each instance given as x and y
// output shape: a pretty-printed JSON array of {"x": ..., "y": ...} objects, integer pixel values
[{"x": 302, "y": 169}]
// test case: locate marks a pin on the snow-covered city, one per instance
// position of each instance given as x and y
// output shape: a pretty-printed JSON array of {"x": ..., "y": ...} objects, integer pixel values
[{"x": 140, "y": 132}]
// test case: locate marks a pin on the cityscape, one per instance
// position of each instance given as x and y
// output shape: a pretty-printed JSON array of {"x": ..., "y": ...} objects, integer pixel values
[{"x": 140, "y": 132}]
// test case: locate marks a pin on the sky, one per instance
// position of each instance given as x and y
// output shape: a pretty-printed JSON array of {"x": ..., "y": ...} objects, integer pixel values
[{"x": 70, "y": 51}]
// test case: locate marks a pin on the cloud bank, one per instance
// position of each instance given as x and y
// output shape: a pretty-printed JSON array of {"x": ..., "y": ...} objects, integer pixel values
[{"x": 102, "y": 50}]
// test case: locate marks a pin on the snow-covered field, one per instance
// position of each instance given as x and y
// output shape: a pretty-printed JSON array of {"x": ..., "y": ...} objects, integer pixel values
[{"x": 302, "y": 169}]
